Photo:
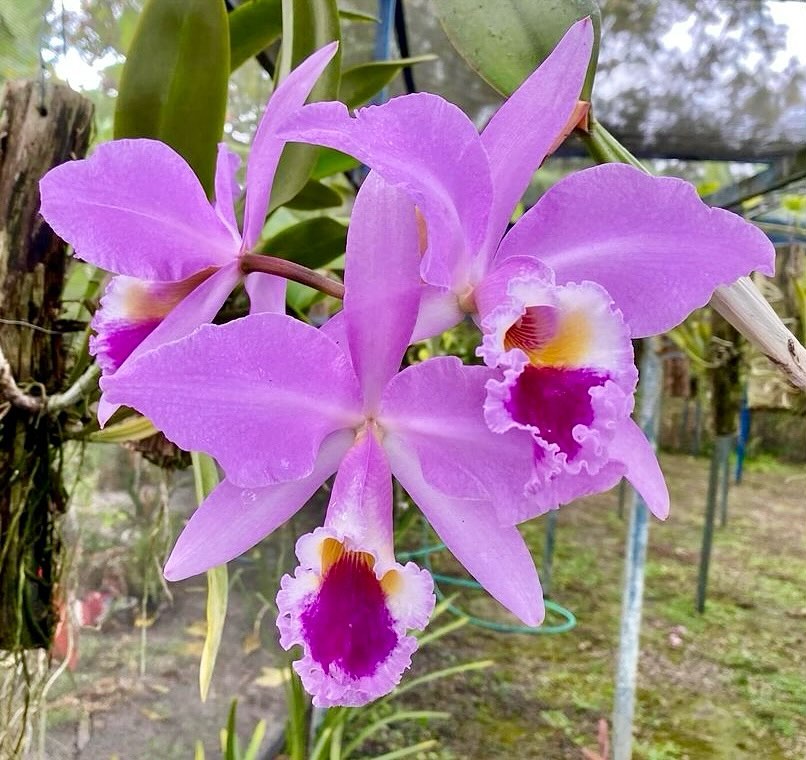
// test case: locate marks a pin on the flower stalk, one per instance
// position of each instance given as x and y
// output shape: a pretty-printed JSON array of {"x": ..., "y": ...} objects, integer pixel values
[{"x": 255, "y": 262}]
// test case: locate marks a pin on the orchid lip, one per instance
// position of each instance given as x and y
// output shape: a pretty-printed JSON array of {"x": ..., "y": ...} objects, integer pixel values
[
  {"x": 348, "y": 625},
  {"x": 350, "y": 610}
]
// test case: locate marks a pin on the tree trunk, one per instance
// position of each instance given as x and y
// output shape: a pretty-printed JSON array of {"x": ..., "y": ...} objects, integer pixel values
[{"x": 40, "y": 127}]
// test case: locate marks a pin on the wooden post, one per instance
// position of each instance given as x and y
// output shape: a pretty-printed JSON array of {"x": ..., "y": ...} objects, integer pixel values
[{"x": 40, "y": 127}]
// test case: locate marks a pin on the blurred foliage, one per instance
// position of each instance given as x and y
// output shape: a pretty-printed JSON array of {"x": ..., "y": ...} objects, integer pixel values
[
  {"x": 21, "y": 28},
  {"x": 693, "y": 337},
  {"x": 176, "y": 74},
  {"x": 253, "y": 26},
  {"x": 504, "y": 47}
]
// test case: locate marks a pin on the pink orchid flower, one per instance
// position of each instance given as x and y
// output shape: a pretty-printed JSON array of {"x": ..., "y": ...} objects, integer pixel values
[
  {"x": 282, "y": 406},
  {"x": 607, "y": 254},
  {"x": 135, "y": 208}
]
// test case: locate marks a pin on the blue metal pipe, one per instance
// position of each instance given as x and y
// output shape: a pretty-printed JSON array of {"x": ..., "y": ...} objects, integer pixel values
[{"x": 634, "y": 563}]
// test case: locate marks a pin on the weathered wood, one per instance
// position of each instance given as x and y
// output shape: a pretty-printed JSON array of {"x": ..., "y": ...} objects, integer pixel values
[{"x": 40, "y": 127}]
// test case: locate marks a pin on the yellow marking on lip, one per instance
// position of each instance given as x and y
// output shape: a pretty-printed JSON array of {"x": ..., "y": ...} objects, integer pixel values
[
  {"x": 569, "y": 345},
  {"x": 332, "y": 551},
  {"x": 155, "y": 300},
  {"x": 549, "y": 340},
  {"x": 391, "y": 582}
]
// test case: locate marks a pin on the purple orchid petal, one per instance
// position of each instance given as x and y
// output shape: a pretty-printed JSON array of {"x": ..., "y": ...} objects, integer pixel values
[
  {"x": 427, "y": 147},
  {"x": 136, "y": 208},
  {"x": 267, "y": 145},
  {"x": 129, "y": 310},
  {"x": 500, "y": 286},
  {"x": 231, "y": 520},
  {"x": 349, "y": 604},
  {"x": 266, "y": 293},
  {"x": 565, "y": 489},
  {"x": 259, "y": 394},
  {"x": 361, "y": 500},
  {"x": 226, "y": 187},
  {"x": 436, "y": 410},
  {"x": 650, "y": 241},
  {"x": 382, "y": 284},
  {"x": 521, "y": 133},
  {"x": 439, "y": 311},
  {"x": 119, "y": 341},
  {"x": 336, "y": 329},
  {"x": 132, "y": 309},
  {"x": 631, "y": 447},
  {"x": 494, "y": 554}
]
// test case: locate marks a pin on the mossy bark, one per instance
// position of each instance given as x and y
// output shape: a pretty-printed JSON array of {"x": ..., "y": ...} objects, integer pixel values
[{"x": 40, "y": 127}]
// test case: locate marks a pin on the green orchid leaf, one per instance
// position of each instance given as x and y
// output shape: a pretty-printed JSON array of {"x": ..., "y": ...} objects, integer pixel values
[
  {"x": 360, "y": 83},
  {"x": 505, "y": 41},
  {"x": 20, "y": 37},
  {"x": 253, "y": 26},
  {"x": 205, "y": 476},
  {"x": 330, "y": 162},
  {"x": 314, "y": 243},
  {"x": 253, "y": 748},
  {"x": 176, "y": 75},
  {"x": 134, "y": 428},
  {"x": 314, "y": 196},
  {"x": 307, "y": 26},
  {"x": 300, "y": 298},
  {"x": 350, "y": 14},
  {"x": 231, "y": 749}
]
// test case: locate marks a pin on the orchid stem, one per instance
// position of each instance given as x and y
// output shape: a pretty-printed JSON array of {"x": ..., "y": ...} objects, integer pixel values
[
  {"x": 606, "y": 149},
  {"x": 255, "y": 262}
]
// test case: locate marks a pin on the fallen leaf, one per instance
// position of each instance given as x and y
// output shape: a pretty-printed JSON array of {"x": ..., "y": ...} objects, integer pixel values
[{"x": 271, "y": 678}]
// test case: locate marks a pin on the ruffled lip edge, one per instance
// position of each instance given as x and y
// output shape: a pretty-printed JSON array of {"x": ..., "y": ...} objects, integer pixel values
[{"x": 337, "y": 687}]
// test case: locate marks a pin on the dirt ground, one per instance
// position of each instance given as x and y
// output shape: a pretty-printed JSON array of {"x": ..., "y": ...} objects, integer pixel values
[
  {"x": 727, "y": 684},
  {"x": 134, "y": 691}
]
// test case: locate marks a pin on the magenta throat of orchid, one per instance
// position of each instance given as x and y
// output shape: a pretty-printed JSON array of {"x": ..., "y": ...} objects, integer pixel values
[
  {"x": 119, "y": 341},
  {"x": 348, "y": 624},
  {"x": 554, "y": 400}
]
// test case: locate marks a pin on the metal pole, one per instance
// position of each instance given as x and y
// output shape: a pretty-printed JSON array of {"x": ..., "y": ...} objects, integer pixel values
[
  {"x": 721, "y": 443},
  {"x": 744, "y": 435},
  {"x": 383, "y": 39},
  {"x": 634, "y": 561},
  {"x": 623, "y": 490},
  {"x": 724, "y": 484},
  {"x": 548, "y": 552}
]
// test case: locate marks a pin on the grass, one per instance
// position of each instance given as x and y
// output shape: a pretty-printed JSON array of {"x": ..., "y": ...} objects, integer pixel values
[{"x": 727, "y": 684}]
